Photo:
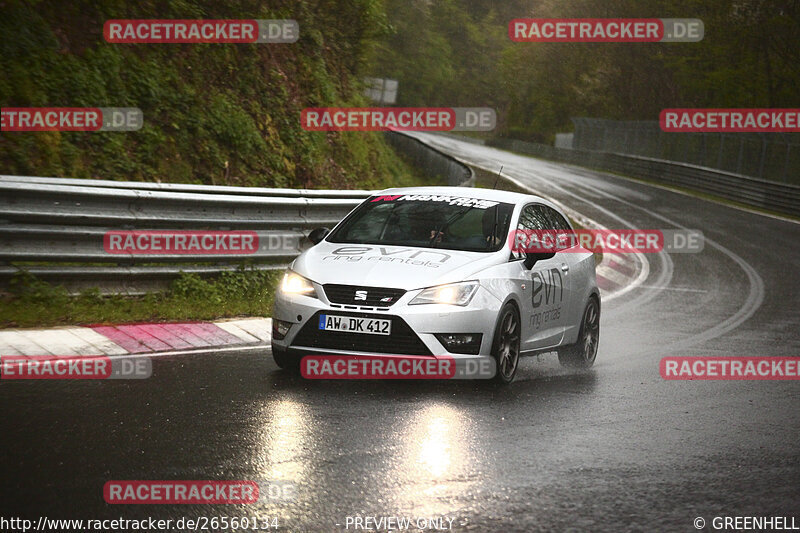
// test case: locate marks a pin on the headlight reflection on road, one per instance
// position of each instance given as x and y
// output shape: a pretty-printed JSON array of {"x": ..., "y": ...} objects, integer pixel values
[
  {"x": 283, "y": 440},
  {"x": 436, "y": 460},
  {"x": 435, "y": 452},
  {"x": 440, "y": 444}
]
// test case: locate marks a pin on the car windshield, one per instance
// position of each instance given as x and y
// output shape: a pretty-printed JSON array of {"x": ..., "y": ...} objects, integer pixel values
[{"x": 450, "y": 222}]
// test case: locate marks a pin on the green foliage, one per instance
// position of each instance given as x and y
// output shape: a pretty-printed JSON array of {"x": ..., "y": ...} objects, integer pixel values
[
  {"x": 28, "y": 290},
  {"x": 453, "y": 53},
  {"x": 32, "y": 302},
  {"x": 213, "y": 113}
]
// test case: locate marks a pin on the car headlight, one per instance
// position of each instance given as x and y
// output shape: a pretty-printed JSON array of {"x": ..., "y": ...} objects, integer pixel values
[
  {"x": 452, "y": 294},
  {"x": 294, "y": 283}
]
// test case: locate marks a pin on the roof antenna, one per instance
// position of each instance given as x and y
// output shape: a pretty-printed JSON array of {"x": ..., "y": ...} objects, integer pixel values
[{"x": 498, "y": 177}]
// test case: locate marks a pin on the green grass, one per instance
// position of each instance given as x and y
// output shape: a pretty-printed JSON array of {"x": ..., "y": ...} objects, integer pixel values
[{"x": 35, "y": 303}]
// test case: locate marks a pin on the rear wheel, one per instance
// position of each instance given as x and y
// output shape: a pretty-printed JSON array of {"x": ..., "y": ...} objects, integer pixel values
[
  {"x": 505, "y": 347},
  {"x": 583, "y": 353}
]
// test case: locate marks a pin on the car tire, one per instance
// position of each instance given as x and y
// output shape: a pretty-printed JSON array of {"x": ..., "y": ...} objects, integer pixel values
[
  {"x": 506, "y": 344},
  {"x": 583, "y": 353}
]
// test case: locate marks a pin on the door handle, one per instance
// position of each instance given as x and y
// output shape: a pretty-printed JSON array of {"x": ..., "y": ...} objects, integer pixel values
[{"x": 564, "y": 267}]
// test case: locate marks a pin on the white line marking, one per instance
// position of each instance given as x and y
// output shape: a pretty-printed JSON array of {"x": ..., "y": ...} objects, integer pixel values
[
  {"x": 663, "y": 288},
  {"x": 236, "y": 331},
  {"x": 258, "y": 327},
  {"x": 7, "y": 349},
  {"x": 23, "y": 344},
  {"x": 684, "y": 193},
  {"x": 198, "y": 351},
  {"x": 620, "y": 278},
  {"x": 100, "y": 342}
]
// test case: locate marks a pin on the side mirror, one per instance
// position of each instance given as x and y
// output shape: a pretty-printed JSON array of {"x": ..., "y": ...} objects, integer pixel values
[
  {"x": 531, "y": 258},
  {"x": 318, "y": 234}
]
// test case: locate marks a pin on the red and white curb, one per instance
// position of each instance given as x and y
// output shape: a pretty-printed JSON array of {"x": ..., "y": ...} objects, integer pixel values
[
  {"x": 617, "y": 273},
  {"x": 144, "y": 339}
]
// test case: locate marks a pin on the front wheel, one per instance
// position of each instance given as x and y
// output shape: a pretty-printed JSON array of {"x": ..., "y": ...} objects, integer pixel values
[
  {"x": 505, "y": 347},
  {"x": 583, "y": 353}
]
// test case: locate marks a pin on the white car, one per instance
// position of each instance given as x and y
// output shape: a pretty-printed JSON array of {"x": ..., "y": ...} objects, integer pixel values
[{"x": 430, "y": 271}]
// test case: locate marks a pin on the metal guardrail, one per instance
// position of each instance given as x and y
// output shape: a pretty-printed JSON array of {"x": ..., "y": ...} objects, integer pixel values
[
  {"x": 768, "y": 156},
  {"x": 54, "y": 228},
  {"x": 138, "y": 209},
  {"x": 433, "y": 161},
  {"x": 770, "y": 195},
  {"x": 56, "y": 232},
  {"x": 191, "y": 188}
]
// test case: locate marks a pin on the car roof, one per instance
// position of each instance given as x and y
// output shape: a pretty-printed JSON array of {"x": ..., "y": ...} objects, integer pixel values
[{"x": 469, "y": 192}]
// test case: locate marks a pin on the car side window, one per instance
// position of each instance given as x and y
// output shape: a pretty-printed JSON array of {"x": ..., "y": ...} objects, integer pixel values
[
  {"x": 530, "y": 218},
  {"x": 539, "y": 217},
  {"x": 554, "y": 219}
]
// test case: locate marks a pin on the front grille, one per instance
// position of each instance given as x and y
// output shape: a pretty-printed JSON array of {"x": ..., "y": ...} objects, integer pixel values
[
  {"x": 402, "y": 341},
  {"x": 368, "y": 296}
]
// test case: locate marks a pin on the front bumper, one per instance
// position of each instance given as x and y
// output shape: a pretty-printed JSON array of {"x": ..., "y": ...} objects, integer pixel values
[{"x": 413, "y": 326}]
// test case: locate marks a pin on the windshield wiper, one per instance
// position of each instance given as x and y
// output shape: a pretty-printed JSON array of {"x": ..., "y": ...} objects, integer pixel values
[
  {"x": 388, "y": 218},
  {"x": 490, "y": 242},
  {"x": 448, "y": 223}
]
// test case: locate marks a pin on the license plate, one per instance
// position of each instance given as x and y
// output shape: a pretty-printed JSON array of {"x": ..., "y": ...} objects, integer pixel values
[{"x": 354, "y": 324}]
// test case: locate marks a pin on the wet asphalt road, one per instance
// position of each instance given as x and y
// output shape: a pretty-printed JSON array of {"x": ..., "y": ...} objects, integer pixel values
[{"x": 615, "y": 449}]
